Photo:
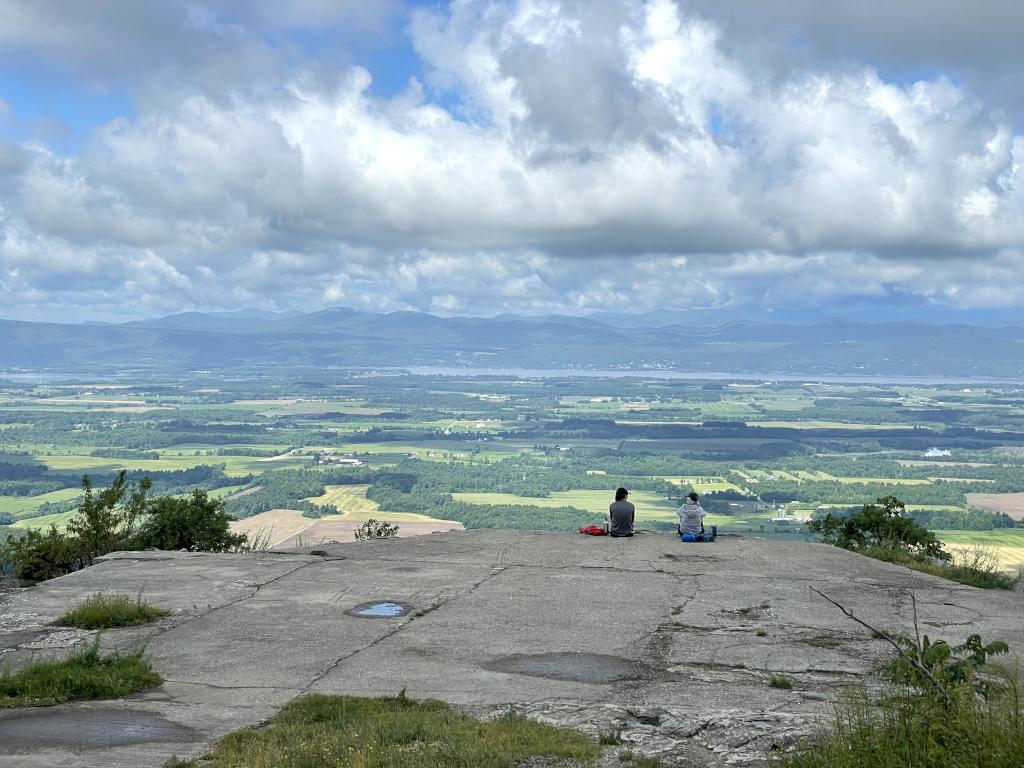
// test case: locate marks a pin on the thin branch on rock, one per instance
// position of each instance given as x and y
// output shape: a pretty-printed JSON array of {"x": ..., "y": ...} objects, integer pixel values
[{"x": 914, "y": 661}]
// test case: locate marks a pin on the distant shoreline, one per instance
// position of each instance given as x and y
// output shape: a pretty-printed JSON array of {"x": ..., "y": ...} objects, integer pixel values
[{"x": 561, "y": 373}]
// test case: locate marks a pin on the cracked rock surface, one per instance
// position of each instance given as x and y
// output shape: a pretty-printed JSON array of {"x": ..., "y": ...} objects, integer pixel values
[{"x": 672, "y": 645}]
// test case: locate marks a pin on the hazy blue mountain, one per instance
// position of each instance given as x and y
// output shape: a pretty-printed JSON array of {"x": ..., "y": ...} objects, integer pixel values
[{"x": 346, "y": 337}]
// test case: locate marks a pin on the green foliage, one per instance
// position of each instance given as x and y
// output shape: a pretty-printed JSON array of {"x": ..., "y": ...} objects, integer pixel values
[
  {"x": 880, "y": 526},
  {"x": 907, "y": 727},
  {"x": 85, "y": 675},
  {"x": 396, "y": 732},
  {"x": 39, "y": 555},
  {"x": 108, "y": 611},
  {"x": 953, "y": 665},
  {"x": 374, "y": 529},
  {"x": 613, "y": 738},
  {"x": 106, "y": 520},
  {"x": 197, "y": 523},
  {"x": 784, "y": 682},
  {"x": 117, "y": 518},
  {"x": 964, "y": 570},
  {"x": 634, "y": 760}
]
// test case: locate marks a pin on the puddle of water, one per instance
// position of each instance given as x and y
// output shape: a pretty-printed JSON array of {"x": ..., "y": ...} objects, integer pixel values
[
  {"x": 56, "y": 727},
  {"x": 383, "y": 609},
  {"x": 579, "y": 667}
]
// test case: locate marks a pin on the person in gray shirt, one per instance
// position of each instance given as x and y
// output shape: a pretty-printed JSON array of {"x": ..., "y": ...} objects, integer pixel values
[{"x": 621, "y": 514}]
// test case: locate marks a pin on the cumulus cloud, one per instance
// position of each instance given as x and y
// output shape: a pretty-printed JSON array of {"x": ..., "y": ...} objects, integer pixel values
[{"x": 560, "y": 154}]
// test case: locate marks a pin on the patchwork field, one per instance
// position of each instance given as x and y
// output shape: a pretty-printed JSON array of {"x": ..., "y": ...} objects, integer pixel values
[
  {"x": 274, "y": 526},
  {"x": 354, "y": 507},
  {"x": 649, "y": 506},
  {"x": 339, "y": 529},
  {"x": 1007, "y": 544},
  {"x": 1011, "y": 504},
  {"x": 16, "y": 505}
]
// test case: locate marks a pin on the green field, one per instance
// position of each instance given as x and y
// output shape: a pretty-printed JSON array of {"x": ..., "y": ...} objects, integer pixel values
[
  {"x": 353, "y": 505},
  {"x": 45, "y": 521},
  {"x": 1008, "y": 543},
  {"x": 235, "y": 466}
]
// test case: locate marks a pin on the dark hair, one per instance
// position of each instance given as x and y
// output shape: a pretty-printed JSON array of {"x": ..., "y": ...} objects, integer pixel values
[
  {"x": 693, "y": 495},
  {"x": 620, "y": 494}
]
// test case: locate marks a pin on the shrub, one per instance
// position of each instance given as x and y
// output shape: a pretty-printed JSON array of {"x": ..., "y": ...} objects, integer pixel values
[
  {"x": 106, "y": 611},
  {"x": 374, "y": 529},
  {"x": 40, "y": 555},
  {"x": 197, "y": 523},
  {"x": 880, "y": 526},
  {"x": 85, "y": 675},
  {"x": 116, "y": 518},
  {"x": 783, "y": 682}
]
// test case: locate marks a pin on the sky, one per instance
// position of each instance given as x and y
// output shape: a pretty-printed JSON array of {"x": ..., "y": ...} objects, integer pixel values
[{"x": 478, "y": 157}]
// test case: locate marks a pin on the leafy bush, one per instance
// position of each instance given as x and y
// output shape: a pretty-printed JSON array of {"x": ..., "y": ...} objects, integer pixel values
[
  {"x": 120, "y": 517},
  {"x": 85, "y": 675},
  {"x": 107, "y": 611},
  {"x": 39, "y": 555},
  {"x": 880, "y": 526},
  {"x": 374, "y": 529},
  {"x": 197, "y": 523}
]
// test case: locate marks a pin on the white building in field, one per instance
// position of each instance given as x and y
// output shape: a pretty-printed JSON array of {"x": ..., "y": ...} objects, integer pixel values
[{"x": 934, "y": 453}]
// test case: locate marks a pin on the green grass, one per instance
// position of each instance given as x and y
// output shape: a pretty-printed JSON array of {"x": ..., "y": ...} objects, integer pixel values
[
  {"x": 394, "y": 732},
  {"x": 649, "y": 505},
  {"x": 906, "y": 728},
  {"x": 85, "y": 675},
  {"x": 975, "y": 571},
  {"x": 782, "y": 682},
  {"x": 1007, "y": 543},
  {"x": 19, "y": 505},
  {"x": 107, "y": 611},
  {"x": 60, "y": 519}
]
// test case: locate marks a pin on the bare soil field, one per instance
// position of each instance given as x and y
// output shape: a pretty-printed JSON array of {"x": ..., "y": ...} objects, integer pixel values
[
  {"x": 1011, "y": 504},
  {"x": 275, "y": 525},
  {"x": 325, "y": 531}
]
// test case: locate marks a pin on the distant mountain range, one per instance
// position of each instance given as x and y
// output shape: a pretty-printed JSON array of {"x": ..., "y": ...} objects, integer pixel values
[{"x": 350, "y": 338}]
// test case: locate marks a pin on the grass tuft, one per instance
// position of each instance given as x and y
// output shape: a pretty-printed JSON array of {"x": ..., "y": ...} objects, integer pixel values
[
  {"x": 784, "y": 682},
  {"x": 85, "y": 675},
  {"x": 391, "y": 732},
  {"x": 108, "y": 611},
  {"x": 609, "y": 738},
  {"x": 972, "y": 567},
  {"x": 636, "y": 760},
  {"x": 906, "y": 728}
]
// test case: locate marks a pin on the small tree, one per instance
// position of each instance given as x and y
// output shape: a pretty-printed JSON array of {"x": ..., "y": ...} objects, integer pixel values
[
  {"x": 106, "y": 520},
  {"x": 882, "y": 525},
  {"x": 196, "y": 523}
]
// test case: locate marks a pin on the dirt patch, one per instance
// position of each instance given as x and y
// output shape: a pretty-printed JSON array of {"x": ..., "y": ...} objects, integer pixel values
[
  {"x": 275, "y": 525},
  {"x": 1011, "y": 504},
  {"x": 341, "y": 532}
]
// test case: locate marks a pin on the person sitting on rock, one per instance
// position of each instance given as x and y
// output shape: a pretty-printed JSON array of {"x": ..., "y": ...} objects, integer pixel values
[
  {"x": 691, "y": 515},
  {"x": 621, "y": 515}
]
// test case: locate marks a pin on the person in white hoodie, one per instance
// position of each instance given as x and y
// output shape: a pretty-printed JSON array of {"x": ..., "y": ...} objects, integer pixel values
[{"x": 691, "y": 515}]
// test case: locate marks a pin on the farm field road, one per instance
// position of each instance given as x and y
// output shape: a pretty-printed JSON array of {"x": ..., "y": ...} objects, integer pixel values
[{"x": 1011, "y": 504}]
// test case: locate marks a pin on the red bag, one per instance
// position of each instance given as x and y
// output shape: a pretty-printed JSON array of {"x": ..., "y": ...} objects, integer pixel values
[{"x": 594, "y": 530}]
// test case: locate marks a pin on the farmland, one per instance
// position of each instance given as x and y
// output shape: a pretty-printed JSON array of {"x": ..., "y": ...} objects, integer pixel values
[{"x": 314, "y": 453}]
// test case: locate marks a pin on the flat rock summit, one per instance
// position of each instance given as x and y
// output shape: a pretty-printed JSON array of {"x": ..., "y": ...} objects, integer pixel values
[{"x": 672, "y": 644}]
